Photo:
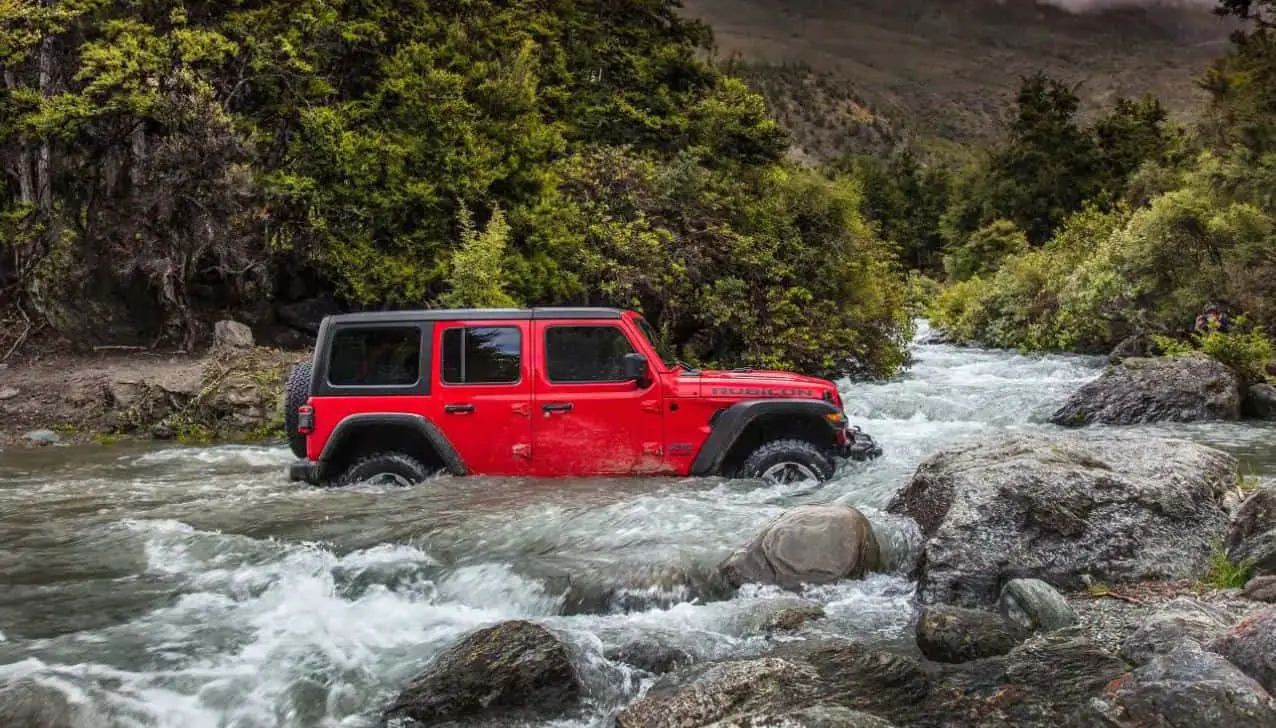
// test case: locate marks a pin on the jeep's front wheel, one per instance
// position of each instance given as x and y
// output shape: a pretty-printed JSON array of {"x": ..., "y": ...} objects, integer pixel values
[
  {"x": 385, "y": 469},
  {"x": 788, "y": 461}
]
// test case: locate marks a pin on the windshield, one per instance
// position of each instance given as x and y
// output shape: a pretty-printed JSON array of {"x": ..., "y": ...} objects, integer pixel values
[{"x": 657, "y": 343}]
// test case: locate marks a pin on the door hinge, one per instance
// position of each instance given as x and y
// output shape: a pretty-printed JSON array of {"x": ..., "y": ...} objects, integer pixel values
[{"x": 651, "y": 405}]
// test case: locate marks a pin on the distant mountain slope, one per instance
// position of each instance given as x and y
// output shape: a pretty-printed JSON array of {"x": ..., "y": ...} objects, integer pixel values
[{"x": 950, "y": 69}]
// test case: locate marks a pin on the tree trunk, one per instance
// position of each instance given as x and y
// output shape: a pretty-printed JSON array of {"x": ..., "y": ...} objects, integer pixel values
[
  {"x": 44, "y": 162},
  {"x": 26, "y": 184}
]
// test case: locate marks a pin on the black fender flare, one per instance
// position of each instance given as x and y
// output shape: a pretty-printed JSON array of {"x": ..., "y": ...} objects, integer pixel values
[
  {"x": 729, "y": 424},
  {"x": 350, "y": 426}
]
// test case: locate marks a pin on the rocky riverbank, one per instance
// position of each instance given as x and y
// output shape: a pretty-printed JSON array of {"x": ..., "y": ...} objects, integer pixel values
[
  {"x": 1069, "y": 580},
  {"x": 232, "y": 392}
]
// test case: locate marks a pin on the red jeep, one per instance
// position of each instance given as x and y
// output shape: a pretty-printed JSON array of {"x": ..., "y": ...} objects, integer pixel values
[{"x": 397, "y": 396}]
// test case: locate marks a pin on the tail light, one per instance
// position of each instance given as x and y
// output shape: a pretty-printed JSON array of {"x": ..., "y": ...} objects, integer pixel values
[{"x": 305, "y": 419}]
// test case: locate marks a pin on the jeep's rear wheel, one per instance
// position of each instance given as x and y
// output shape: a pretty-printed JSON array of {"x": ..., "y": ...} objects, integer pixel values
[
  {"x": 788, "y": 461},
  {"x": 295, "y": 394},
  {"x": 385, "y": 469}
]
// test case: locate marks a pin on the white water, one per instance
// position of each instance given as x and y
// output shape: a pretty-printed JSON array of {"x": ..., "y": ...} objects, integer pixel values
[{"x": 196, "y": 588}]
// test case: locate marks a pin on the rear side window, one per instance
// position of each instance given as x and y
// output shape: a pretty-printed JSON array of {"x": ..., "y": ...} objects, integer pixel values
[
  {"x": 482, "y": 355},
  {"x": 375, "y": 357},
  {"x": 585, "y": 353}
]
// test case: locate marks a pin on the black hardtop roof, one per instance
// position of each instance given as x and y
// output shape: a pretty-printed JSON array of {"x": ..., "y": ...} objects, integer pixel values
[{"x": 476, "y": 314}]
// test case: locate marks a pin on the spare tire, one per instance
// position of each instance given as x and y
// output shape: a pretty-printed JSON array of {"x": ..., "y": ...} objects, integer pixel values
[{"x": 296, "y": 392}]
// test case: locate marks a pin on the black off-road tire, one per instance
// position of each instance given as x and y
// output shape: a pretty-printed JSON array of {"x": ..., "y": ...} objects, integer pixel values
[
  {"x": 777, "y": 452},
  {"x": 296, "y": 391},
  {"x": 405, "y": 467}
]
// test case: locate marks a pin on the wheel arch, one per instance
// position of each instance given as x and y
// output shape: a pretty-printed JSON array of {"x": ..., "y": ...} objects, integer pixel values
[
  {"x": 361, "y": 434},
  {"x": 743, "y": 426}
]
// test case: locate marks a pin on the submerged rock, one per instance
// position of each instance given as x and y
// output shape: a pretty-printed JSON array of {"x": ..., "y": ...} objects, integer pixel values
[
  {"x": 1251, "y": 646},
  {"x": 1252, "y": 535},
  {"x": 807, "y": 545},
  {"x": 651, "y": 656},
  {"x": 1035, "y": 605},
  {"x": 953, "y": 634},
  {"x": 1164, "y": 389},
  {"x": 792, "y": 618},
  {"x": 1117, "y": 507},
  {"x": 25, "y": 704},
  {"x": 1187, "y": 687},
  {"x": 1260, "y": 402},
  {"x": 721, "y": 691},
  {"x": 1182, "y": 619},
  {"x": 43, "y": 437},
  {"x": 514, "y": 666}
]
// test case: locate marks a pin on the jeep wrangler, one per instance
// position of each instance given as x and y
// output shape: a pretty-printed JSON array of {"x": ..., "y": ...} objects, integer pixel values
[{"x": 395, "y": 397}]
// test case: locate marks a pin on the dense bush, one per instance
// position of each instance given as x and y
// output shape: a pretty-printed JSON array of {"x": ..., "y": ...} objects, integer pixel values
[{"x": 171, "y": 163}]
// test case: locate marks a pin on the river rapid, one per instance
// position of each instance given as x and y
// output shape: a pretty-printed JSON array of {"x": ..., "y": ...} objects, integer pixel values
[{"x": 197, "y": 588}]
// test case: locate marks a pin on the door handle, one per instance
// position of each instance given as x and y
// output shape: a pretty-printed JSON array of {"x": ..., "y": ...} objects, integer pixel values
[
  {"x": 454, "y": 409},
  {"x": 557, "y": 407}
]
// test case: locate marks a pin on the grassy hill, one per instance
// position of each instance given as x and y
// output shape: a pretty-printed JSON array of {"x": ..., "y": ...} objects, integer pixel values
[{"x": 950, "y": 70}]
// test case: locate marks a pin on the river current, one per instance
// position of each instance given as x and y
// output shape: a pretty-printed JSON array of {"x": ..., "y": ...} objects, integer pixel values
[{"x": 197, "y": 588}]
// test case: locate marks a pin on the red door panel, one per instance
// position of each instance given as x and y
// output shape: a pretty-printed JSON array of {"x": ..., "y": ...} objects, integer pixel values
[
  {"x": 586, "y": 420},
  {"x": 484, "y": 393}
]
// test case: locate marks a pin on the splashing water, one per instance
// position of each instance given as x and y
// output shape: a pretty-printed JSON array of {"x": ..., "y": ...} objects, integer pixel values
[{"x": 196, "y": 587}]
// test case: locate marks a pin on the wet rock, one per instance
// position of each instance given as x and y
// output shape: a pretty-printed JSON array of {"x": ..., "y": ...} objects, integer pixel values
[
  {"x": 1117, "y": 507},
  {"x": 721, "y": 691},
  {"x": 934, "y": 338},
  {"x": 43, "y": 437},
  {"x": 807, "y": 545},
  {"x": 25, "y": 704},
  {"x": 1260, "y": 402},
  {"x": 7, "y": 393},
  {"x": 1251, "y": 646},
  {"x": 819, "y": 716},
  {"x": 1035, "y": 605},
  {"x": 1187, "y": 687},
  {"x": 1261, "y": 589},
  {"x": 1182, "y": 619},
  {"x": 953, "y": 634},
  {"x": 1050, "y": 676},
  {"x": 650, "y": 656},
  {"x": 790, "y": 619},
  {"x": 232, "y": 335},
  {"x": 1252, "y": 535},
  {"x": 1164, "y": 389},
  {"x": 514, "y": 666}
]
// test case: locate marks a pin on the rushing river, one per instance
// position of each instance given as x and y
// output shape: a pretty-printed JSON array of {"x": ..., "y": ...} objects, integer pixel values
[{"x": 197, "y": 588}]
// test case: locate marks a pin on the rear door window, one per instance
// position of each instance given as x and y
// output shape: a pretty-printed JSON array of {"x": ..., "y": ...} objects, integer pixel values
[
  {"x": 375, "y": 357},
  {"x": 482, "y": 355}
]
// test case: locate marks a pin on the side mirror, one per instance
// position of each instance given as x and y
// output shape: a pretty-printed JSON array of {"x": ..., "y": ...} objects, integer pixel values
[{"x": 634, "y": 368}]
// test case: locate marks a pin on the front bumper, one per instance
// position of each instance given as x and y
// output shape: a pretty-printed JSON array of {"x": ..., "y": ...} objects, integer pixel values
[
  {"x": 304, "y": 471},
  {"x": 859, "y": 445}
]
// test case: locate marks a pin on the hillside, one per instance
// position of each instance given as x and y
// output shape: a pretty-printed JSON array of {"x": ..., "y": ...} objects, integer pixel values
[{"x": 951, "y": 70}]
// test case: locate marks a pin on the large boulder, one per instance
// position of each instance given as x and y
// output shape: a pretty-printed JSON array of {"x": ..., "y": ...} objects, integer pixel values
[
  {"x": 953, "y": 634},
  {"x": 25, "y": 703},
  {"x": 1182, "y": 619},
  {"x": 514, "y": 666},
  {"x": 721, "y": 691},
  {"x": 1187, "y": 687},
  {"x": 1164, "y": 389},
  {"x": 1260, "y": 402},
  {"x": 1251, "y": 646},
  {"x": 1252, "y": 535},
  {"x": 1118, "y": 508},
  {"x": 232, "y": 335},
  {"x": 1035, "y": 605},
  {"x": 816, "y": 544},
  {"x": 650, "y": 655}
]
